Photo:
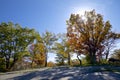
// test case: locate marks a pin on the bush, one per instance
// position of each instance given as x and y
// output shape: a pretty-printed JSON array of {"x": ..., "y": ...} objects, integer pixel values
[
  {"x": 2, "y": 65},
  {"x": 51, "y": 64},
  {"x": 75, "y": 62}
]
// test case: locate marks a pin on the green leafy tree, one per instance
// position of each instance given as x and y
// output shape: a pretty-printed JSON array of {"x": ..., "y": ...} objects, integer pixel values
[
  {"x": 62, "y": 49},
  {"x": 48, "y": 40},
  {"x": 60, "y": 59},
  {"x": 61, "y": 56},
  {"x": 14, "y": 40}
]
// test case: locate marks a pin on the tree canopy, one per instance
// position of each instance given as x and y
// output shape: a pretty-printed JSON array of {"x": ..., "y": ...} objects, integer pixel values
[
  {"x": 62, "y": 49},
  {"x": 88, "y": 34},
  {"x": 14, "y": 41}
]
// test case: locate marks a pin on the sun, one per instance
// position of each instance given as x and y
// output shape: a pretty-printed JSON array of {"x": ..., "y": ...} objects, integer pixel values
[{"x": 81, "y": 10}]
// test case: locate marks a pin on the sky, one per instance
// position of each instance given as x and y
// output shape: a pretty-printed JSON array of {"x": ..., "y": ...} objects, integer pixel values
[{"x": 51, "y": 15}]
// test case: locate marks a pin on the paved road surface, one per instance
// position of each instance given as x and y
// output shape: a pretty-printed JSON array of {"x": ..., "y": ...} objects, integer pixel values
[{"x": 64, "y": 73}]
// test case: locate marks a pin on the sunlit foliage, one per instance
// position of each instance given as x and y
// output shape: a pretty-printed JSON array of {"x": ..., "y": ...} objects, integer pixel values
[{"x": 88, "y": 34}]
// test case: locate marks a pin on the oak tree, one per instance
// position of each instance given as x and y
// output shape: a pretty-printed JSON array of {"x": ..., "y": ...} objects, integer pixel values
[{"x": 88, "y": 34}]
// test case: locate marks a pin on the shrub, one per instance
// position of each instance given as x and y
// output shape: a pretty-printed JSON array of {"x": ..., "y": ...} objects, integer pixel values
[{"x": 51, "y": 64}]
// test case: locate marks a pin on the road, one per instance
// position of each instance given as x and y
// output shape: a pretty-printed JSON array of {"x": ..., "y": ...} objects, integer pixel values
[{"x": 65, "y": 73}]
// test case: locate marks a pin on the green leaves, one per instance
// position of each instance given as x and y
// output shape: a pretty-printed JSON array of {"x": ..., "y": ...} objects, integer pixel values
[
  {"x": 14, "y": 41},
  {"x": 48, "y": 40},
  {"x": 62, "y": 49}
]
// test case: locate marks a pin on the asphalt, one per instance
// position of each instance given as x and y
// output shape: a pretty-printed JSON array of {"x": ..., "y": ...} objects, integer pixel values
[{"x": 65, "y": 73}]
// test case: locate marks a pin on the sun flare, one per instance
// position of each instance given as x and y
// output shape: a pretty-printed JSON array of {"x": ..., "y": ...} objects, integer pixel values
[{"x": 81, "y": 10}]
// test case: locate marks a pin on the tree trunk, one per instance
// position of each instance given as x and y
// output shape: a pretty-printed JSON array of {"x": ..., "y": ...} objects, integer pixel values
[
  {"x": 94, "y": 58},
  {"x": 91, "y": 58},
  {"x": 46, "y": 59},
  {"x": 107, "y": 53},
  {"x": 7, "y": 61},
  {"x": 69, "y": 59},
  {"x": 32, "y": 63},
  {"x": 79, "y": 60},
  {"x": 13, "y": 63},
  {"x": 62, "y": 61}
]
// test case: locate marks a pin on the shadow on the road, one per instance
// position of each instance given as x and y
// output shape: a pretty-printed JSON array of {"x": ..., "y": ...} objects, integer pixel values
[{"x": 70, "y": 73}]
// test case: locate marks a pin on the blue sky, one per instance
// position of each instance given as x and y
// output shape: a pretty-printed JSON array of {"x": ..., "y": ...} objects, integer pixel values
[{"x": 51, "y": 15}]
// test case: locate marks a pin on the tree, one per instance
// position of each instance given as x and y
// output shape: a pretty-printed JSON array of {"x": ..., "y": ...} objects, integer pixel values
[
  {"x": 48, "y": 40},
  {"x": 80, "y": 61},
  {"x": 37, "y": 51},
  {"x": 14, "y": 40},
  {"x": 108, "y": 47},
  {"x": 116, "y": 54},
  {"x": 61, "y": 56},
  {"x": 37, "y": 54},
  {"x": 88, "y": 34},
  {"x": 60, "y": 59},
  {"x": 62, "y": 49}
]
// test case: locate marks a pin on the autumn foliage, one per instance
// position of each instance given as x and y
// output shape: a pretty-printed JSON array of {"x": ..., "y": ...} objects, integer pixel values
[{"x": 88, "y": 34}]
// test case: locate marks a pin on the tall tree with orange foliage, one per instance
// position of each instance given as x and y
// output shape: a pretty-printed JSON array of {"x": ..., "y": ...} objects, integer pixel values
[{"x": 88, "y": 34}]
